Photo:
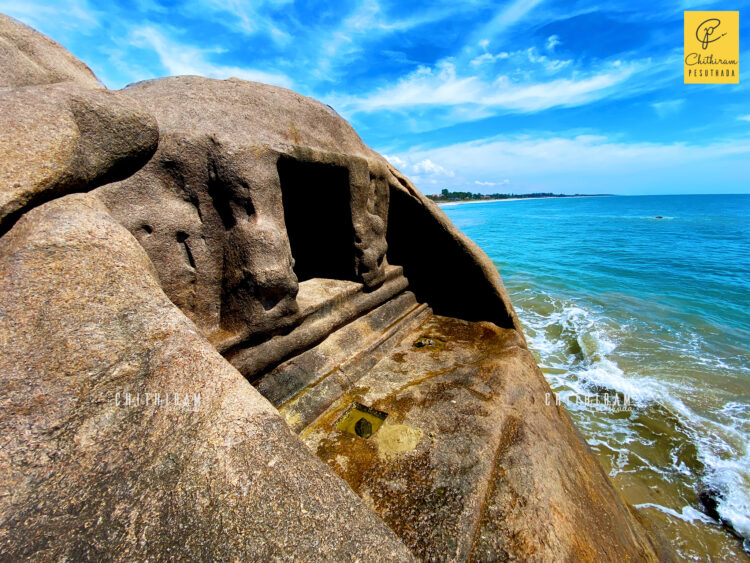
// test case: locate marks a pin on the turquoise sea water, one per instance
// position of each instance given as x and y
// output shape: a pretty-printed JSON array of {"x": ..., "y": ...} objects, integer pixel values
[{"x": 615, "y": 301}]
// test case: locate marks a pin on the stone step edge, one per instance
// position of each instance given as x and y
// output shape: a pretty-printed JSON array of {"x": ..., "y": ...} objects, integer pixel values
[
  {"x": 255, "y": 360},
  {"x": 303, "y": 370},
  {"x": 310, "y": 312},
  {"x": 342, "y": 378},
  {"x": 372, "y": 345}
]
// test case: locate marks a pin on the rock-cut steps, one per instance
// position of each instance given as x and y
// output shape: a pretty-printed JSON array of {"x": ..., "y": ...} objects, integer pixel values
[
  {"x": 325, "y": 306},
  {"x": 305, "y": 386},
  {"x": 444, "y": 428}
]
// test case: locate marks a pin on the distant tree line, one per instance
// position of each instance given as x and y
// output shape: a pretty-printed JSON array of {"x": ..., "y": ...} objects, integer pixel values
[{"x": 447, "y": 195}]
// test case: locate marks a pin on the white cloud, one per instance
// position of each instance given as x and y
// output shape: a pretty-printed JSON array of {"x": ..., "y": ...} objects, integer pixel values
[
  {"x": 422, "y": 171},
  {"x": 396, "y": 161},
  {"x": 368, "y": 23},
  {"x": 246, "y": 17},
  {"x": 180, "y": 59},
  {"x": 74, "y": 15},
  {"x": 505, "y": 18},
  {"x": 480, "y": 183},
  {"x": 744, "y": 117},
  {"x": 551, "y": 65},
  {"x": 520, "y": 58},
  {"x": 595, "y": 153},
  {"x": 552, "y": 42},
  {"x": 668, "y": 108},
  {"x": 426, "y": 166},
  {"x": 488, "y": 58}
]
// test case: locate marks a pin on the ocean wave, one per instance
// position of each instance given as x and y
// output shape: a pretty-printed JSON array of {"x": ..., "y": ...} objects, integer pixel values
[
  {"x": 576, "y": 340},
  {"x": 578, "y": 350}
]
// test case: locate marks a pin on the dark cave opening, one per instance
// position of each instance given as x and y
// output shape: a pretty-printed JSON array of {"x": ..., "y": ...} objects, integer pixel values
[
  {"x": 318, "y": 217},
  {"x": 440, "y": 271}
]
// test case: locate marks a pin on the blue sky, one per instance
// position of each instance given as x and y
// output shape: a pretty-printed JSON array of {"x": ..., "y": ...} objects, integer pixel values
[{"x": 519, "y": 96}]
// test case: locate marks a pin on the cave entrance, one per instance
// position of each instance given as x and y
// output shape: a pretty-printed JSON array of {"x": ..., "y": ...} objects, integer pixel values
[
  {"x": 318, "y": 216},
  {"x": 441, "y": 268}
]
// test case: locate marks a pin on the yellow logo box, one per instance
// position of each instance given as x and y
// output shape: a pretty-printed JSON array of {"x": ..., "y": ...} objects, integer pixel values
[{"x": 712, "y": 47}]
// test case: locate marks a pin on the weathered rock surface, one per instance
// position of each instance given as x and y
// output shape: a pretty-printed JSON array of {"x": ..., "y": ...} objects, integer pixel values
[
  {"x": 83, "y": 321},
  {"x": 63, "y": 138},
  {"x": 234, "y": 158},
  {"x": 29, "y": 58},
  {"x": 471, "y": 462},
  {"x": 264, "y": 230}
]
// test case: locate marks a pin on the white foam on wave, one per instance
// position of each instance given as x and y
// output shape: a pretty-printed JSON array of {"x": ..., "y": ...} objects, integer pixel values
[
  {"x": 688, "y": 514},
  {"x": 735, "y": 407},
  {"x": 727, "y": 470},
  {"x": 595, "y": 369},
  {"x": 730, "y": 477},
  {"x": 606, "y": 373},
  {"x": 695, "y": 346}
]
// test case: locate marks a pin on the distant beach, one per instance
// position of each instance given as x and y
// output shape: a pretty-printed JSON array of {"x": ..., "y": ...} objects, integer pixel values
[{"x": 446, "y": 203}]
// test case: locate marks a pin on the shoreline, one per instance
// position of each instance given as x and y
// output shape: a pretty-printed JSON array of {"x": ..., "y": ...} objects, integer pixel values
[{"x": 443, "y": 203}]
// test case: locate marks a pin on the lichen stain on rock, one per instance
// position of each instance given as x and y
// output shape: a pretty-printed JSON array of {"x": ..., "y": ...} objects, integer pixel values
[
  {"x": 397, "y": 439},
  {"x": 291, "y": 418},
  {"x": 425, "y": 513}
]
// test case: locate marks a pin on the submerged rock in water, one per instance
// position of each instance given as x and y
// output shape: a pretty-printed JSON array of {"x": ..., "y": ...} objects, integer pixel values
[{"x": 709, "y": 500}]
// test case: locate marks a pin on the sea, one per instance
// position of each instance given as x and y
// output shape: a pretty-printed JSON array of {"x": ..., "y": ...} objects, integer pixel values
[{"x": 638, "y": 311}]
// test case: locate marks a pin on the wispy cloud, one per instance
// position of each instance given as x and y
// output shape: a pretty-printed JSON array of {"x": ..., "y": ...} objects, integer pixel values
[
  {"x": 552, "y": 42},
  {"x": 488, "y": 57},
  {"x": 250, "y": 18},
  {"x": 424, "y": 171},
  {"x": 428, "y": 74},
  {"x": 368, "y": 23},
  {"x": 521, "y": 58},
  {"x": 443, "y": 86},
  {"x": 179, "y": 59},
  {"x": 78, "y": 15},
  {"x": 502, "y": 183},
  {"x": 668, "y": 108},
  {"x": 426, "y": 166},
  {"x": 505, "y": 17},
  {"x": 396, "y": 161}
]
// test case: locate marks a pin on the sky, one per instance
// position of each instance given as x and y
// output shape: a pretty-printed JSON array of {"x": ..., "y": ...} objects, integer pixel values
[{"x": 513, "y": 97}]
